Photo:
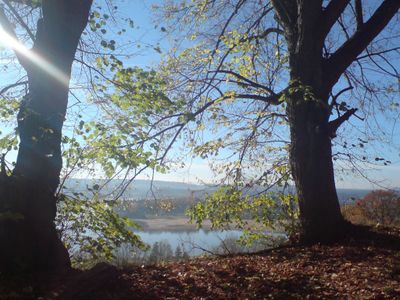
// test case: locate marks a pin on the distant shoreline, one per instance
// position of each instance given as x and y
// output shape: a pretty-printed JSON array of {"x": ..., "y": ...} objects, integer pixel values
[
  {"x": 170, "y": 224},
  {"x": 177, "y": 224}
]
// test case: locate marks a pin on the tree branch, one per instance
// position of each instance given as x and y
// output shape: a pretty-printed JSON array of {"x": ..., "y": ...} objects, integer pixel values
[
  {"x": 233, "y": 14},
  {"x": 359, "y": 14},
  {"x": 5, "y": 89},
  {"x": 331, "y": 14},
  {"x": 272, "y": 99},
  {"x": 250, "y": 82},
  {"x": 9, "y": 29},
  {"x": 335, "y": 124},
  {"x": 286, "y": 11},
  {"x": 266, "y": 32},
  {"x": 20, "y": 20},
  {"x": 348, "y": 52},
  {"x": 30, "y": 3},
  {"x": 378, "y": 53},
  {"x": 335, "y": 97}
]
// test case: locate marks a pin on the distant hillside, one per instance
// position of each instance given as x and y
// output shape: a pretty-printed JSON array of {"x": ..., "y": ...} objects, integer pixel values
[
  {"x": 139, "y": 189},
  {"x": 144, "y": 189}
]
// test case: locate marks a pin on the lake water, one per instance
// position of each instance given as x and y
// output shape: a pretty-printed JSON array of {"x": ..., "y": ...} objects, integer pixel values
[{"x": 193, "y": 241}]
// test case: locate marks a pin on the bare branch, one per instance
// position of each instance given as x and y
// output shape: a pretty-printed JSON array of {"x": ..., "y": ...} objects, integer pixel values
[
  {"x": 9, "y": 29},
  {"x": 335, "y": 97},
  {"x": 359, "y": 14},
  {"x": 379, "y": 53},
  {"x": 335, "y": 124},
  {"x": 348, "y": 52},
  {"x": 8, "y": 87},
  {"x": 273, "y": 99},
  {"x": 349, "y": 88},
  {"x": 331, "y": 14},
  {"x": 250, "y": 82},
  {"x": 266, "y": 32},
  {"x": 20, "y": 20}
]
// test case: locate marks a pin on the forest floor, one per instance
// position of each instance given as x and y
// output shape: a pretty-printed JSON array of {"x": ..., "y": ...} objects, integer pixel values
[{"x": 365, "y": 268}]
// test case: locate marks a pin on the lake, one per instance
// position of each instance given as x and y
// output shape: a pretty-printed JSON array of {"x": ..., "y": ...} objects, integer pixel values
[{"x": 194, "y": 242}]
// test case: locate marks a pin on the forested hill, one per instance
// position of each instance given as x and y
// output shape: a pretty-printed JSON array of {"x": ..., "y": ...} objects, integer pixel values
[{"x": 145, "y": 189}]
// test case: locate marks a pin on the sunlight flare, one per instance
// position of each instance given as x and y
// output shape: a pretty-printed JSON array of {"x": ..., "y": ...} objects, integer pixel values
[{"x": 6, "y": 40}]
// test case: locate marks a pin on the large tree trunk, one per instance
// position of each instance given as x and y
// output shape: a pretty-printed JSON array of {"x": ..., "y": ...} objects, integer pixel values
[
  {"x": 313, "y": 173},
  {"x": 28, "y": 236},
  {"x": 311, "y": 150},
  {"x": 308, "y": 112}
]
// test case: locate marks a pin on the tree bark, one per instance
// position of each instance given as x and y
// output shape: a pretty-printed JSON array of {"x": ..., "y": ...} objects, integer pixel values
[
  {"x": 311, "y": 150},
  {"x": 313, "y": 173},
  {"x": 308, "y": 113},
  {"x": 28, "y": 236}
]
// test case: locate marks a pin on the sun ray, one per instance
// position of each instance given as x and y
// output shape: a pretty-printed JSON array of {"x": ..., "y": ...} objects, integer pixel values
[{"x": 6, "y": 40}]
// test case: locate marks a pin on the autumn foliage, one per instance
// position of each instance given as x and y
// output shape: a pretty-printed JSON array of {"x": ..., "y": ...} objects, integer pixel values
[{"x": 377, "y": 207}]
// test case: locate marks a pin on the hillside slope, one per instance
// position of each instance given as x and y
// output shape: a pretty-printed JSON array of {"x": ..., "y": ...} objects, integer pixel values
[{"x": 366, "y": 268}]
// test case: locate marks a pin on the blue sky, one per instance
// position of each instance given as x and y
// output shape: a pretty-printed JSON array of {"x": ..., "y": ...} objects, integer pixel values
[{"x": 197, "y": 170}]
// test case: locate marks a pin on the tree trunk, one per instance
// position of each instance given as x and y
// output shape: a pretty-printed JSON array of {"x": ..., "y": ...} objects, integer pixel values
[
  {"x": 28, "y": 235},
  {"x": 306, "y": 25},
  {"x": 313, "y": 173},
  {"x": 311, "y": 150},
  {"x": 308, "y": 113}
]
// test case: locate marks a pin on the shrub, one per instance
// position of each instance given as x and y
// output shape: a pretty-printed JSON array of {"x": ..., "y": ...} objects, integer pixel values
[
  {"x": 259, "y": 217},
  {"x": 92, "y": 231},
  {"x": 377, "y": 207}
]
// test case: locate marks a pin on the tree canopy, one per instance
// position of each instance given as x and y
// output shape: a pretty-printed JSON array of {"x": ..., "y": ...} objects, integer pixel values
[{"x": 261, "y": 72}]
